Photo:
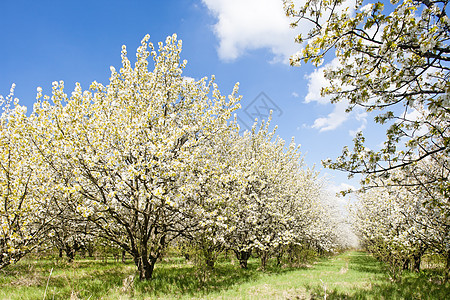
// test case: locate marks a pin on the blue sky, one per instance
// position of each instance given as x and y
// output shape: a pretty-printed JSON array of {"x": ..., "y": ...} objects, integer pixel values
[{"x": 246, "y": 41}]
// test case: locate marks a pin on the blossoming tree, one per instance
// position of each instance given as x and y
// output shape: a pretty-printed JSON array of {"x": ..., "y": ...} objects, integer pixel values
[
  {"x": 396, "y": 62},
  {"x": 150, "y": 159},
  {"x": 24, "y": 201},
  {"x": 124, "y": 148}
]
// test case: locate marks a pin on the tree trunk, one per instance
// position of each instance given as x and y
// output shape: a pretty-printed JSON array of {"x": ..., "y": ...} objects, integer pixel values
[
  {"x": 406, "y": 264},
  {"x": 83, "y": 252},
  {"x": 417, "y": 259},
  {"x": 210, "y": 261},
  {"x": 263, "y": 258},
  {"x": 90, "y": 249},
  {"x": 447, "y": 267},
  {"x": 280, "y": 253},
  {"x": 144, "y": 262},
  {"x": 70, "y": 253},
  {"x": 146, "y": 266},
  {"x": 243, "y": 257},
  {"x": 210, "y": 256}
]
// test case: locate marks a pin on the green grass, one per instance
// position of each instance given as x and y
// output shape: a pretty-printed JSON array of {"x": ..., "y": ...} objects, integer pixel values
[
  {"x": 86, "y": 278},
  {"x": 351, "y": 275}
]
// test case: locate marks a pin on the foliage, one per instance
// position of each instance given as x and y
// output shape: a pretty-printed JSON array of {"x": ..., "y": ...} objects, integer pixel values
[
  {"x": 130, "y": 148},
  {"x": 396, "y": 62},
  {"x": 24, "y": 202},
  {"x": 393, "y": 59},
  {"x": 153, "y": 159},
  {"x": 399, "y": 225}
]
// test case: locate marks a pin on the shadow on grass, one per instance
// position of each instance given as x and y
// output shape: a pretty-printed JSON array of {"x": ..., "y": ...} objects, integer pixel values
[
  {"x": 85, "y": 279},
  {"x": 190, "y": 280},
  {"x": 362, "y": 262},
  {"x": 92, "y": 284},
  {"x": 95, "y": 279},
  {"x": 427, "y": 284},
  {"x": 417, "y": 288}
]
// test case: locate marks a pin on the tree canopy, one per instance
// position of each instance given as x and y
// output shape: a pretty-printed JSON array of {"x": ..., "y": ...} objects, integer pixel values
[
  {"x": 152, "y": 160},
  {"x": 394, "y": 59}
]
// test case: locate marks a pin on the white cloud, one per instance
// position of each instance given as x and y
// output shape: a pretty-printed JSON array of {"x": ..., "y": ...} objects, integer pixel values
[
  {"x": 334, "y": 119},
  {"x": 316, "y": 81},
  {"x": 295, "y": 95},
  {"x": 336, "y": 189},
  {"x": 244, "y": 25}
]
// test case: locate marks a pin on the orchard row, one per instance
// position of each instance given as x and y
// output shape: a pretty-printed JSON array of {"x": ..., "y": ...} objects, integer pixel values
[
  {"x": 149, "y": 160},
  {"x": 407, "y": 216}
]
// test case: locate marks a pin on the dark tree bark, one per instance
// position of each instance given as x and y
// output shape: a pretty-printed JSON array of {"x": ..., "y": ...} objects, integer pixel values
[
  {"x": 264, "y": 257},
  {"x": 243, "y": 257}
]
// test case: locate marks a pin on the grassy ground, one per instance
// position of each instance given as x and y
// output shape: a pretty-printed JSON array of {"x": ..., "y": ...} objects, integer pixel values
[{"x": 351, "y": 275}]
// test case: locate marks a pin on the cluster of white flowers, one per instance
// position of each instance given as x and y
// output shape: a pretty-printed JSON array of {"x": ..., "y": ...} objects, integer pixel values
[
  {"x": 148, "y": 158},
  {"x": 399, "y": 225}
]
